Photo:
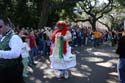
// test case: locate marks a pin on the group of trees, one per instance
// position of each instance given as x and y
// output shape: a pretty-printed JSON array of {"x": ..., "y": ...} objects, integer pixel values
[
  {"x": 40, "y": 13},
  {"x": 21, "y": 12}
]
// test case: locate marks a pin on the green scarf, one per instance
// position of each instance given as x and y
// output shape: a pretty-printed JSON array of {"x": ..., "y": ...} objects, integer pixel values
[{"x": 61, "y": 47}]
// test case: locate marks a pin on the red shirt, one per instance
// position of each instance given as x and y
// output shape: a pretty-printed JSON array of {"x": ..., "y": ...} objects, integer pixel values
[{"x": 32, "y": 42}]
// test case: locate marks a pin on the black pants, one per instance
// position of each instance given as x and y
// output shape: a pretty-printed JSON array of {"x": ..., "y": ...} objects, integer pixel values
[{"x": 12, "y": 74}]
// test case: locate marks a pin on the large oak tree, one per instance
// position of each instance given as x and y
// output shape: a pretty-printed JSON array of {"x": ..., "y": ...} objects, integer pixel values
[{"x": 93, "y": 10}]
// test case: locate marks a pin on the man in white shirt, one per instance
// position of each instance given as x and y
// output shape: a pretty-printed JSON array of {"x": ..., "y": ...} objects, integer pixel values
[{"x": 10, "y": 60}]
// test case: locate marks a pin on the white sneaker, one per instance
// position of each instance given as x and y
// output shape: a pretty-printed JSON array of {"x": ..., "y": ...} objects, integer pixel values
[
  {"x": 60, "y": 75},
  {"x": 66, "y": 74}
]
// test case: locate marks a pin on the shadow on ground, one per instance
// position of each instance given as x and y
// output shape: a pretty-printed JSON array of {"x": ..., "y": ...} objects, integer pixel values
[{"x": 94, "y": 65}]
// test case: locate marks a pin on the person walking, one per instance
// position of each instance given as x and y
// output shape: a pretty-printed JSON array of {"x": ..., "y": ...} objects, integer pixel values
[{"x": 11, "y": 66}]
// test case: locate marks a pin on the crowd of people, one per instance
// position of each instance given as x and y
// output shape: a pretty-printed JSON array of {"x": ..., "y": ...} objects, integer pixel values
[{"x": 19, "y": 47}]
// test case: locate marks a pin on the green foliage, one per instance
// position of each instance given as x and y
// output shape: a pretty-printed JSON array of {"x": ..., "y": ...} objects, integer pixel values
[
  {"x": 23, "y": 14},
  {"x": 122, "y": 2},
  {"x": 20, "y": 13},
  {"x": 94, "y": 10},
  {"x": 28, "y": 14}
]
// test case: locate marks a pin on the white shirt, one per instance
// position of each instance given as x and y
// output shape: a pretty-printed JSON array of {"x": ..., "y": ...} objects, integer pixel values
[
  {"x": 25, "y": 50},
  {"x": 15, "y": 44}
]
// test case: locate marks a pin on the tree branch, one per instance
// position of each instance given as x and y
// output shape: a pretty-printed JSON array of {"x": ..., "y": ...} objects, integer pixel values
[{"x": 104, "y": 25}]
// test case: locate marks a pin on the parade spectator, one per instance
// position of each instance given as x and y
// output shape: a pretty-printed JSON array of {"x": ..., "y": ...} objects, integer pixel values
[
  {"x": 97, "y": 36},
  {"x": 109, "y": 38},
  {"x": 33, "y": 46},
  {"x": 114, "y": 37},
  {"x": 121, "y": 63},
  {"x": 11, "y": 66},
  {"x": 74, "y": 38},
  {"x": 25, "y": 54},
  {"x": 48, "y": 41},
  {"x": 40, "y": 42}
]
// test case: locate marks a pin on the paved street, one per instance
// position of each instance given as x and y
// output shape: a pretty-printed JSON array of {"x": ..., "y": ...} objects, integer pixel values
[{"x": 93, "y": 66}]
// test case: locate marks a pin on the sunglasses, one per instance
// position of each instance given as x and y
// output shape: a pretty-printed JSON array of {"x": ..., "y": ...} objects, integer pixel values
[{"x": 1, "y": 26}]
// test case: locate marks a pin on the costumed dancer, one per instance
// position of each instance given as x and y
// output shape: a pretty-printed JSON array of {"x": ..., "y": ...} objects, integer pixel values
[{"x": 61, "y": 57}]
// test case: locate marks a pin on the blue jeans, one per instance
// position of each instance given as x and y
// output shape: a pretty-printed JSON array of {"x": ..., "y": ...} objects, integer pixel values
[
  {"x": 121, "y": 70},
  {"x": 44, "y": 48},
  {"x": 33, "y": 52},
  {"x": 96, "y": 42}
]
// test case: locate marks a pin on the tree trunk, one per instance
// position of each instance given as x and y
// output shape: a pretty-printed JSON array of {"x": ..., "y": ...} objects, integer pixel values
[
  {"x": 94, "y": 26},
  {"x": 93, "y": 23},
  {"x": 44, "y": 14}
]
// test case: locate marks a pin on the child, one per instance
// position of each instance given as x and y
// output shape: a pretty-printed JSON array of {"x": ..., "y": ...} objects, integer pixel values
[{"x": 25, "y": 54}]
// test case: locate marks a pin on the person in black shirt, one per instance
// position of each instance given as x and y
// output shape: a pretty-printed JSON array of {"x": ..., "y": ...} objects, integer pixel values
[{"x": 121, "y": 63}]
